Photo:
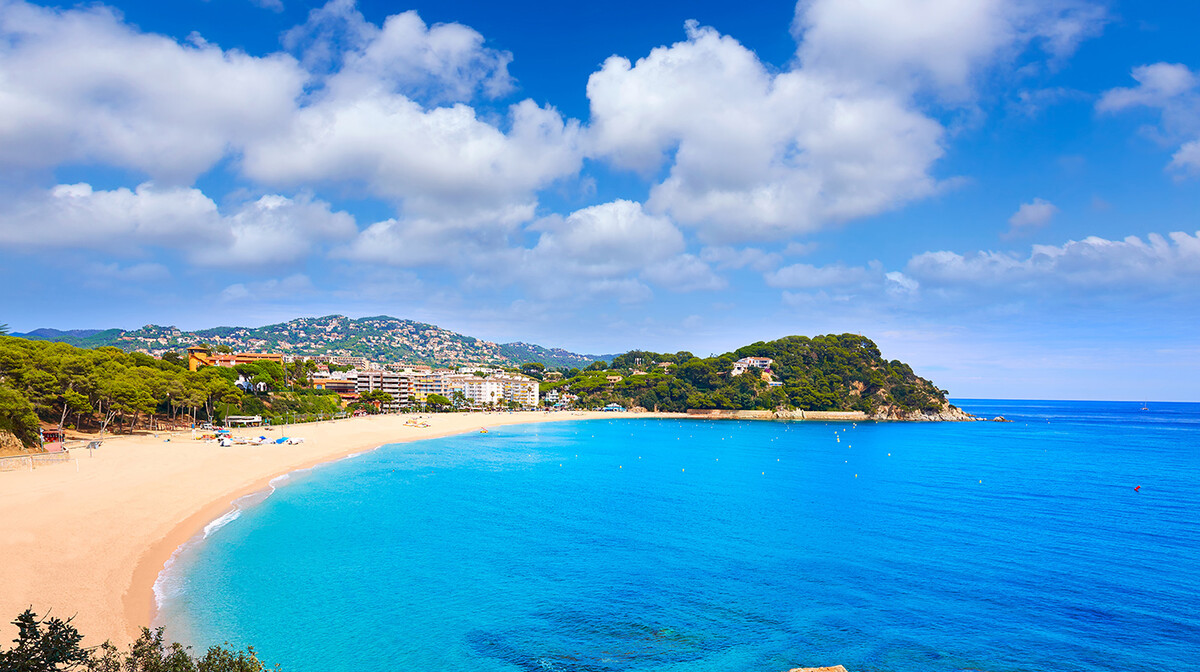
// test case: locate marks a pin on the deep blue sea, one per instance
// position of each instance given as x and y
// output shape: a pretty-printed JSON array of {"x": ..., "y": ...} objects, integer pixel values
[{"x": 632, "y": 544}]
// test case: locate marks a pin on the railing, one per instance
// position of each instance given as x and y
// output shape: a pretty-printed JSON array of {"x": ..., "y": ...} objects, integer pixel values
[{"x": 33, "y": 460}]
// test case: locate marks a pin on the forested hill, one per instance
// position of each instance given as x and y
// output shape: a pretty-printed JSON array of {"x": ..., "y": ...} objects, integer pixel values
[
  {"x": 381, "y": 339},
  {"x": 836, "y": 372}
]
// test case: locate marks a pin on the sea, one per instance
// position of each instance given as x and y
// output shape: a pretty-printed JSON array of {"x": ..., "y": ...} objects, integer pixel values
[{"x": 1065, "y": 539}]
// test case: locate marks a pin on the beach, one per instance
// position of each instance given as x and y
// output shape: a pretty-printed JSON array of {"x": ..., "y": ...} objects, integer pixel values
[{"x": 88, "y": 538}]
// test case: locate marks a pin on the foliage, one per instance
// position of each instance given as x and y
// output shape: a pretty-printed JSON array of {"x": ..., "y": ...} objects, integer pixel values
[
  {"x": 44, "y": 645},
  {"x": 438, "y": 402},
  {"x": 834, "y": 372},
  {"x": 53, "y": 645}
]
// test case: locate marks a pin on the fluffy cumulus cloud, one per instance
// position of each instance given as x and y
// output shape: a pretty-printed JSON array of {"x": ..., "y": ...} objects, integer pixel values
[
  {"x": 1173, "y": 89},
  {"x": 271, "y": 230},
  {"x": 390, "y": 115},
  {"x": 757, "y": 155},
  {"x": 938, "y": 45},
  {"x": 608, "y": 249},
  {"x": 80, "y": 85},
  {"x": 434, "y": 64},
  {"x": 614, "y": 246}
]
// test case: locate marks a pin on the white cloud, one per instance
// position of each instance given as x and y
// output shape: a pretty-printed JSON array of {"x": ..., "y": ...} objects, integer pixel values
[
  {"x": 942, "y": 45},
  {"x": 1032, "y": 215},
  {"x": 836, "y": 276},
  {"x": 272, "y": 230},
  {"x": 1159, "y": 85},
  {"x": 273, "y": 5},
  {"x": 274, "y": 289},
  {"x": 616, "y": 237},
  {"x": 1090, "y": 272},
  {"x": 1173, "y": 89},
  {"x": 442, "y": 162},
  {"x": 1126, "y": 266},
  {"x": 748, "y": 257},
  {"x": 757, "y": 155},
  {"x": 277, "y": 230},
  {"x": 82, "y": 86},
  {"x": 434, "y": 64},
  {"x": 1187, "y": 159}
]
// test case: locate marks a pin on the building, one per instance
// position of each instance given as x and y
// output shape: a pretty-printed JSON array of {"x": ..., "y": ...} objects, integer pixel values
[
  {"x": 746, "y": 363},
  {"x": 199, "y": 356},
  {"x": 431, "y": 382},
  {"x": 480, "y": 391},
  {"x": 496, "y": 390},
  {"x": 383, "y": 381},
  {"x": 519, "y": 390},
  {"x": 345, "y": 387}
]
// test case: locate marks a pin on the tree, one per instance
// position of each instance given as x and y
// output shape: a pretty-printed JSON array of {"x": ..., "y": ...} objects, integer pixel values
[
  {"x": 598, "y": 365},
  {"x": 437, "y": 401},
  {"x": 53, "y": 645},
  {"x": 44, "y": 645}
]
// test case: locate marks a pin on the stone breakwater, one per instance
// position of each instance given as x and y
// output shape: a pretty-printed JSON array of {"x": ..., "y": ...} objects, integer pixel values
[{"x": 887, "y": 413}]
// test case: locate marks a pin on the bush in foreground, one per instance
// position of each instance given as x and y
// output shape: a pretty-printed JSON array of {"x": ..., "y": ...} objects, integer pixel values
[{"x": 53, "y": 645}]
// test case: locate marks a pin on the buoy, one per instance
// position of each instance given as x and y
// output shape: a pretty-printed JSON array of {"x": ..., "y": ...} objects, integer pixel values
[
  {"x": 856, "y": 475},
  {"x": 621, "y": 467},
  {"x": 1137, "y": 488},
  {"x": 683, "y": 469}
]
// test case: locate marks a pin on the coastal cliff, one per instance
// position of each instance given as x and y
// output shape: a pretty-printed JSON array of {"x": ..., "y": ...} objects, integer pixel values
[{"x": 948, "y": 413}]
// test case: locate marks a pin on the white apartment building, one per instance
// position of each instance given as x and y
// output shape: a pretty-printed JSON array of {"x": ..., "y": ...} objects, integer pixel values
[
  {"x": 496, "y": 390},
  {"x": 386, "y": 381},
  {"x": 480, "y": 391}
]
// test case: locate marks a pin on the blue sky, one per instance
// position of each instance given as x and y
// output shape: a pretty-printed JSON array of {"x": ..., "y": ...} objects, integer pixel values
[{"x": 1003, "y": 194}]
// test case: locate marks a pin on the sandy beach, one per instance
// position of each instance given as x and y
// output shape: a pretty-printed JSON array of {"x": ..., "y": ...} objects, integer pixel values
[{"x": 89, "y": 537}]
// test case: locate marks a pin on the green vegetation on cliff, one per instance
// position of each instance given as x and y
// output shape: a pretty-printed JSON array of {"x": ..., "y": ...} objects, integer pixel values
[{"x": 827, "y": 373}]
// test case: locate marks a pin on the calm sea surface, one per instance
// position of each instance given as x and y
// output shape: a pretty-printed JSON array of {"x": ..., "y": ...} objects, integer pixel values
[{"x": 606, "y": 546}]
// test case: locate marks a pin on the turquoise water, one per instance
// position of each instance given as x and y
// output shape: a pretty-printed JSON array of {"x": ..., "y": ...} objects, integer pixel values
[{"x": 609, "y": 546}]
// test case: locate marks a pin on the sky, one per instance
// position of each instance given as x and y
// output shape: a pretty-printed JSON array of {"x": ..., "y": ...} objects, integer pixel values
[{"x": 1003, "y": 194}]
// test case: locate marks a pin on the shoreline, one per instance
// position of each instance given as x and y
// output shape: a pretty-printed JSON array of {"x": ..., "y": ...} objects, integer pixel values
[
  {"x": 141, "y": 602},
  {"x": 89, "y": 540}
]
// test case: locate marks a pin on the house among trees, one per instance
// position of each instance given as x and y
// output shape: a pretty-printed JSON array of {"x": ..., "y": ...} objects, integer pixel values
[{"x": 199, "y": 356}]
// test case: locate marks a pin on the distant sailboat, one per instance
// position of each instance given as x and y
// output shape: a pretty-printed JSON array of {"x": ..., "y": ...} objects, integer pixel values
[{"x": 1145, "y": 407}]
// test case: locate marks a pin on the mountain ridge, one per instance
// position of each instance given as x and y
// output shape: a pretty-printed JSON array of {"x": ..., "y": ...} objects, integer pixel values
[{"x": 381, "y": 338}]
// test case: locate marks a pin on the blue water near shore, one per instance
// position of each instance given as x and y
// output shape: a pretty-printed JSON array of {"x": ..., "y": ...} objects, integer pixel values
[{"x": 622, "y": 545}]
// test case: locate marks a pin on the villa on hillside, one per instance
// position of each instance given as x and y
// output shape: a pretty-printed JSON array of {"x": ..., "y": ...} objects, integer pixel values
[{"x": 746, "y": 363}]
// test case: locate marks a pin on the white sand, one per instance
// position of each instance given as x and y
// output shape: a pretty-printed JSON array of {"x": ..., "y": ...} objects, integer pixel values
[{"x": 89, "y": 538}]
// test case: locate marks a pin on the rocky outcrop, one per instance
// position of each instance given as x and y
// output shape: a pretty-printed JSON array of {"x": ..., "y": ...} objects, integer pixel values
[
  {"x": 835, "y": 668},
  {"x": 948, "y": 413},
  {"x": 836, "y": 416},
  {"x": 10, "y": 444}
]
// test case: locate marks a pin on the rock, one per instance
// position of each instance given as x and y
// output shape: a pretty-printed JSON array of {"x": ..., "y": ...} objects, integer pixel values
[
  {"x": 9, "y": 443},
  {"x": 1000, "y": 418},
  {"x": 835, "y": 668},
  {"x": 948, "y": 413}
]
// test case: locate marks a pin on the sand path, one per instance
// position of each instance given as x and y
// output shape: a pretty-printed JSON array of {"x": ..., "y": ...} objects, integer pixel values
[{"x": 89, "y": 537}]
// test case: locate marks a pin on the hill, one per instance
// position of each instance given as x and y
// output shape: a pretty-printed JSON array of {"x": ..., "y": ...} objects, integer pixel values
[
  {"x": 843, "y": 372},
  {"x": 381, "y": 338}
]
